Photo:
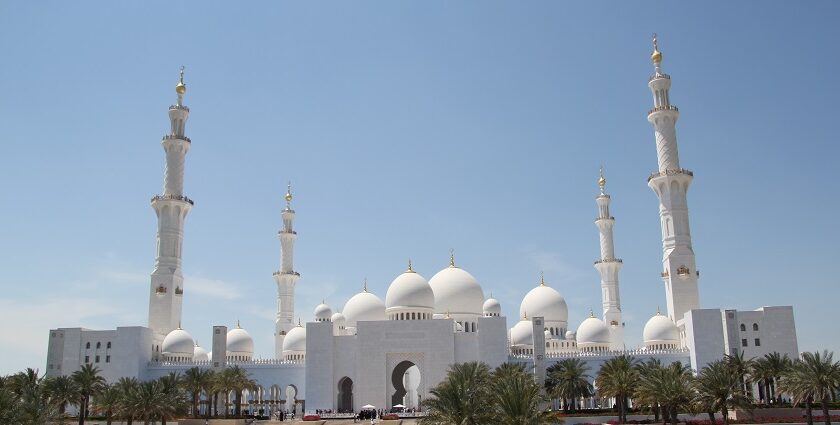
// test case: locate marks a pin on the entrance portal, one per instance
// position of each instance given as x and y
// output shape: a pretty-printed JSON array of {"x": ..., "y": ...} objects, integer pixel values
[
  {"x": 406, "y": 381},
  {"x": 345, "y": 395}
]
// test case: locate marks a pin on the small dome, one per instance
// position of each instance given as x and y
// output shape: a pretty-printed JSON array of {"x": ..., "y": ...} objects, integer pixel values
[
  {"x": 295, "y": 340},
  {"x": 545, "y": 301},
  {"x": 661, "y": 330},
  {"x": 522, "y": 333},
  {"x": 363, "y": 306},
  {"x": 338, "y": 318},
  {"x": 409, "y": 291},
  {"x": 239, "y": 341},
  {"x": 200, "y": 354},
  {"x": 548, "y": 335},
  {"x": 456, "y": 292},
  {"x": 570, "y": 335},
  {"x": 593, "y": 331},
  {"x": 492, "y": 307},
  {"x": 323, "y": 313},
  {"x": 178, "y": 342}
]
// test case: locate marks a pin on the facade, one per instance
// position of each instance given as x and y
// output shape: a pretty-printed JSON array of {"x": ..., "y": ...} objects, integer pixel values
[{"x": 392, "y": 352}]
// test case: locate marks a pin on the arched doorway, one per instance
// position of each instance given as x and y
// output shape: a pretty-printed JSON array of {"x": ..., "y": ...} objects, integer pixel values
[
  {"x": 406, "y": 381},
  {"x": 291, "y": 399},
  {"x": 345, "y": 395}
]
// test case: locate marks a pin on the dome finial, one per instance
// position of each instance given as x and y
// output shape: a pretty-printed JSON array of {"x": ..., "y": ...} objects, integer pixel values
[
  {"x": 524, "y": 315},
  {"x": 181, "y": 88},
  {"x": 237, "y": 324},
  {"x": 179, "y": 324},
  {"x": 452, "y": 257},
  {"x": 409, "y": 270},
  {"x": 658, "y": 313},
  {"x": 365, "y": 287},
  {"x": 602, "y": 182},
  {"x": 542, "y": 278},
  {"x": 299, "y": 321},
  {"x": 656, "y": 56},
  {"x": 591, "y": 313},
  {"x": 289, "y": 195}
]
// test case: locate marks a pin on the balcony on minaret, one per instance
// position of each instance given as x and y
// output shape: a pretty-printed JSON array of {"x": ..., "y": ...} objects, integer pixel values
[
  {"x": 659, "y": 75},
  {"x": 179, "y": 291},
  {"x": 181, "y": 198},
  {"x": 675, "y": 172},
  {"x": 160, "y": 290},
  {"x": 179, "y": 107},
  {"x": 608, "y": 260},
  {"x": 663, "y": 108},
  {"x": 683, "y": 271},
  {"x": 177, "y": 137},
  {"x": 281, "y": 273}
]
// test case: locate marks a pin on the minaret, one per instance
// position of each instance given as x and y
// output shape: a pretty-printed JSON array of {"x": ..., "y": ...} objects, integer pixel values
[
  {"x": 286, "y": 278},
  {"x": 609, "y": 266},
  {"x": 671, "y": 185},
  {"x": 167, "y": 286}
]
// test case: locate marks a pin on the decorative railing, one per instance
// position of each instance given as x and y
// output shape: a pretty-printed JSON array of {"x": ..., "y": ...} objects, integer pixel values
[
  {"x": 172, "y": 198},
  {"x": 666, "y": 273},
  {"x": 176, "y": 137},
  {"x": 181, "y": 107},
  {"x": 179, "y": 291},
  {"x": 663, "y": 108},
  {"x": 160, "y": 290},
  {"x": 287, "y": 273},
  {"x": 609, "y": 260},
  {"x": 659, "y": 75},
  {"x": 165, "y": 363},
  {"x": 670, "y": 173},
  {"x": 605, "y": 218},
  {"x": 575, "y": 354}
]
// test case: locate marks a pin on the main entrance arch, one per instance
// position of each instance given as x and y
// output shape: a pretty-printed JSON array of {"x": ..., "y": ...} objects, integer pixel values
[
  {"x": 345, "y": 395},
  {"x": 406, "y": 380}
]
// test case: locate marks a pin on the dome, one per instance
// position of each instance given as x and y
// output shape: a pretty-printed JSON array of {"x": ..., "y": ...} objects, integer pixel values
[
  {"x": 492, "y": 307},
  {"x": 522, "y": 333},
  {"x": 571, "y": 335},
  {"x": 456, "y": 292},
  {"x": 661, "y": 330},
  {"x": 338, "y": 318},
  {"x": 409, "y": 291},
  {"x": 363, "y": 306},
  {"x": 323, "y": 313},
  {"x": 546, "y": 302},
  {"x": 179, "y": 343},
  {"x": 239, "y": 341},
  {"x": 593, "y": 331},
  {"x": 200, "y": 354},
  {"x": 295, "y": 340}
]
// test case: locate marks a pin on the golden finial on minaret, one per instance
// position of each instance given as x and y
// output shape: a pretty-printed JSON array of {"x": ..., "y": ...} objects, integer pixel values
[
  {"x": 602, "y": 182},
  {"x": 452, "y": 258},
  {"x": 181, "y": 88},
  {"x": 288, "y": 194},
  {"x": 656, "y": 56},
  {"x": 542, "y": 279}
]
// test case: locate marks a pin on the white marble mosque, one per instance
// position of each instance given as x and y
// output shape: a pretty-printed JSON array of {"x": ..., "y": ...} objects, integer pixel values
[{"x": 391, "y": 352}]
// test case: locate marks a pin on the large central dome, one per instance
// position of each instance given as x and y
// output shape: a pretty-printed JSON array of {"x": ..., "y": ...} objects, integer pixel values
[
  {"x": 545, "y": 301},
  {"x": 409, "y": 291},
  {"x": 456, "y": 292},
  {"x": 363, "y": 306}
]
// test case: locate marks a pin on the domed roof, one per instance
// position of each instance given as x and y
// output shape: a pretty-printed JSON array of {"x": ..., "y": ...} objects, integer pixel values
[
  {"x": 492, "y": 306},
  {"x": 593, "y": 331},
  {"x": 338, "y": 318},
  {"x": 323, "y": 312},
  {"x": 522, "y": 333},
  {"x": 295, "y": 340},
  {"x": 239, "y": 341},
  {"x": 363, "y": 306},
  {"x": 456, "y": 292},
  {"x": 410, "y": 290},
  {"x": 200, "y": 354},
  {"x": 660, "y": 329},
  {"x": 548, "y": 335},
  {"x": 178, "y": 342},
  {"x": 545, "y": 301},
  {"x": 571, "y": 335}
]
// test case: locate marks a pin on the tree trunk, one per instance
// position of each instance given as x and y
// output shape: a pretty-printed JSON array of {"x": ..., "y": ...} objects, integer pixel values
[
  {"x": 725, "y": 412},
  {"x": 808, "y": 412},
  {"x": 826, "y": 415},
  {"x": 666, "y": 415},
  {"x": 712, "y": 418},
  {"x": 655, "y": 412},
  {"x": 674, "y": 418},
  {"x": 82, "y": 405}
]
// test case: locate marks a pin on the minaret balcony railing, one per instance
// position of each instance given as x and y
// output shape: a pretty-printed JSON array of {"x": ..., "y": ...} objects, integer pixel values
[
  {"x": 287, "y": 232},
  {"x": 605, "y": 218},
  {"x": 659, "y": 75},
  {"x": 663, "y": 108},
  {"x": 286, "y": 273},
  {"x": 609, "y": 260},
  {"x": 673, "y": 172},
  {"x": 180, "y": 107},
  {"x": 176, "y": 137},
  {"x": 172, "y": 198}
]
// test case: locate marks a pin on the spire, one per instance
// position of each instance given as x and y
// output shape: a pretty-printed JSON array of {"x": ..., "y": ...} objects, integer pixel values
[
  {"x": 289, "y": 196},
  {"x": 181, "y": 88},
  {"x": 656, "y": 56},
  {"x": 237, "y": 324},
  {"x": 542, "y": 278},
  {"x": 602, "y": 182},
  {"x": 364, "y": 289},
  {"x": 452, "y": 258},
  {"x": 409, "y": 270},
  {"x": 591, "y": 314},
  {"x": 524, "y": 315},
  {"x": 299, "y": 325}
]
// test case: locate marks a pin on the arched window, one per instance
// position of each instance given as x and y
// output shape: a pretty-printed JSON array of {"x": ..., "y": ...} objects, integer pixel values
[
  {"x": 755, "y": 326},
  {"x": 743, "y": 327},
  {"x": 108, "y": 345},
  {"x": 87, "y": 346},
  {"x": 98, "y": 345}
]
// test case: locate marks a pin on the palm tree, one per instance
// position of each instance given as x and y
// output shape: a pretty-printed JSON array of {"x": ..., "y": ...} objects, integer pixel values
[
  {"x": 62, "y": 391},
  {"x": 109, "y": 402},
  {"x": 125, "y": 386},
  {"x": 169, "y": 386},
  {"x": 740, "y": 367},
  {"x": 147, "y": 402},
  {"x": 717, "y": 390},
  {"x": 90, "y": 383},
  {"x": 618, "y": 378},
  {"x": 27, "y": 396},
  {"x": 669, "y": 386},
  {"x": 762, "y": 374},
  {"x": 239, "y": 381},
  {"x": 516, "y": 398},
  {"x": 225, "y": 384},
  {"x": 778, "y": 364},
  {"x": 194, "y": 381},
  {"x": 810, "y": 378},
  {"x": 568, "y": 381},
  {"x": 643, "y": 397},
  {"x": 461, "y": 398}
]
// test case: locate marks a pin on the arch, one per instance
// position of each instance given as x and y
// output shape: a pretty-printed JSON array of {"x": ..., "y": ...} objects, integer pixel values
[
  {"x": 743, "y": 327},
  {"x": 755, "y": 326},
  {"x": 406, "y": 380},
  {"x": 291, "y": 393},
  {"x": 345, "y": 395}
]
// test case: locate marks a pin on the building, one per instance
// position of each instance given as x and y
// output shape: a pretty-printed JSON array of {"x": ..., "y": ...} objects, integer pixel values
[{"x": 394, "y": 351}]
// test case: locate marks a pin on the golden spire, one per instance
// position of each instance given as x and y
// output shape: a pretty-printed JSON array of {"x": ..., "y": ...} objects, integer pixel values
[
  {"x": 452, "y": 258},
  {"x": 299, "y": 322},
  {"x": 524, "y": 315},
  {"x": 409, "y": 270},
  {"x": 657, "y": 311},
  {"x": 181, "y": 88},
  {"x": 365, "y": 287},
  {"x": 602, "y": 182},
  {"x": 542, "y": 278},
  {"x": 237, "y": 324},
  {"x": 591, "y": 314},
  {"x": 288, "y": 194},
  {"x": 656, "y": 56}
]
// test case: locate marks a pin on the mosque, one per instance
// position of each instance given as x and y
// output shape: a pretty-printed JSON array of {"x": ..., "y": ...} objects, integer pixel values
[{"x": 392, "y": 352}]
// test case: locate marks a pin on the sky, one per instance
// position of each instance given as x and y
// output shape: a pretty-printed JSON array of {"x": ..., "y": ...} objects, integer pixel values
[{"x": 409, "y": 128}]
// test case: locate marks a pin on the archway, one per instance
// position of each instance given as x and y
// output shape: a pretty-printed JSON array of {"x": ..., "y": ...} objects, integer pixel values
[
  {"x": 406, "y": 381},
  {"x": 291, "y": 399},
  {"x": 345, "y": 395}
]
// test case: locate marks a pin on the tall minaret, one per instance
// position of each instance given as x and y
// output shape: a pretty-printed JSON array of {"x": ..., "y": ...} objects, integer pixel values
[
  {"x": 609, "y": 266},
  {"x": 167, "y": 286},
  {"x": 286, "y": 278},
  {"x": 671, "y": 185}
]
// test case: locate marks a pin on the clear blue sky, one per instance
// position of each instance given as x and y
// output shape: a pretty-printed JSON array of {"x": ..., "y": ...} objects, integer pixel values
[{"x": 409, "y": 128}]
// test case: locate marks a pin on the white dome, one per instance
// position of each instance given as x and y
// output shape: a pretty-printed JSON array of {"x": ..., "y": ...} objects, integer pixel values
[
  {"x": 323, "y": 313},
  {"x": 545, "y": 301},
  {"x": 522, "y": 333},
  {"x": 338, "y": 318},
  {"x": 593, "y": 331},
  {"x": 295, "y": 340},
  {"x": 456, "y": 292},
  {"x": 409, "y": 291},
  {"x": 492, "y": 307},
  {"x": 239, "y": 341},
  {"x": 570, "y": 335},
  {"x": 200, "y": 354},
  {"x": 363, "y": 306},
  {"x": 178, "y": 342},
  {"x": 548, "y": 335},
  {"x": 661, "y": 330}
]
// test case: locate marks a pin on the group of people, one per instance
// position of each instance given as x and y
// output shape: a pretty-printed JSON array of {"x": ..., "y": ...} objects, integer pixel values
[
  {"x": 282, "y": 415},
  {"x": 368, "y": 414}
]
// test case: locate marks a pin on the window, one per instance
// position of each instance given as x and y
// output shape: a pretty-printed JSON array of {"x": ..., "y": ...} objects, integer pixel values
[
  {"x": 108, "y": 358},
  {"x": 755, "y": 326},
  {"x": 744, "y": 342},
  {"x": 98, "y": 345},
  {"x": 757, "y": 342},
  {"x": 108, "y": 345},
  {"x": 87, "y": 359},
  {"x": 87, "y": 346},
  {"x": 97, "y": 358},
  {"x": 743, "y": 327}
]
